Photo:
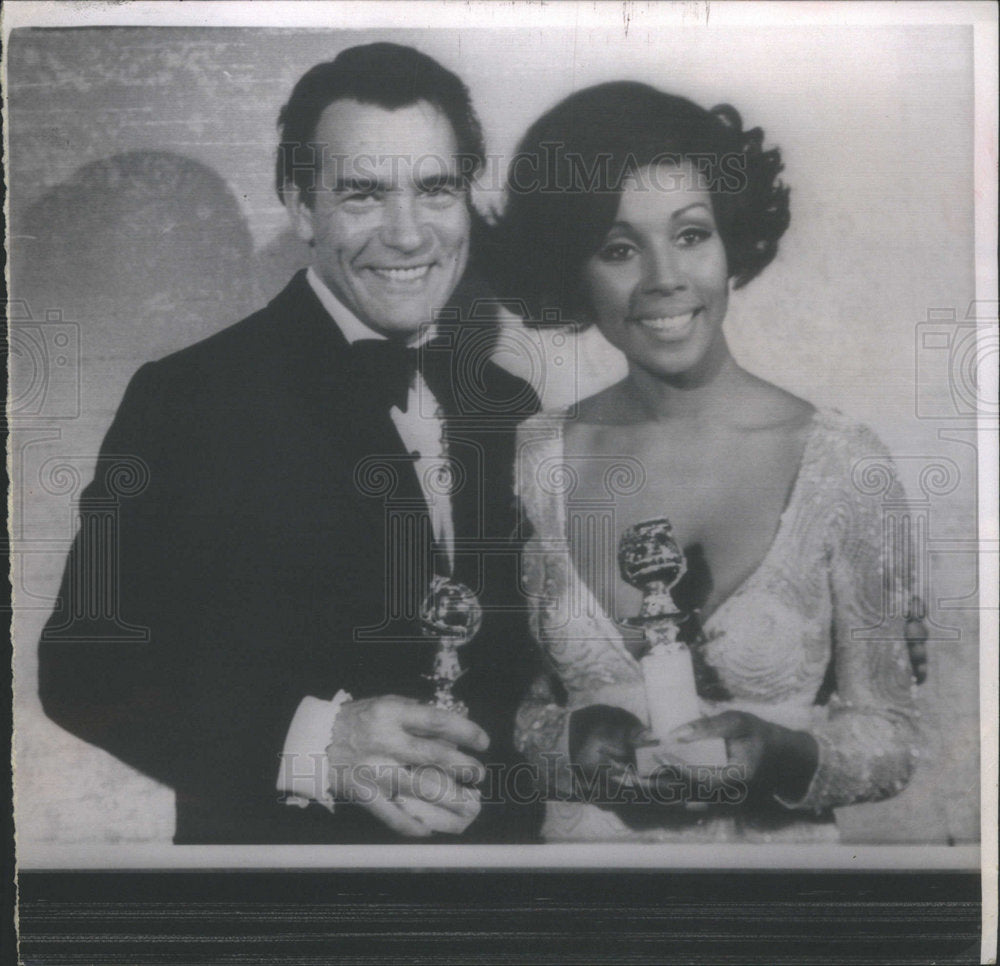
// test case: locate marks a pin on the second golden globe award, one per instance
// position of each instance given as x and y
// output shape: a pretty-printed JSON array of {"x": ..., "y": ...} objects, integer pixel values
[{"x": 650, "y": 559}]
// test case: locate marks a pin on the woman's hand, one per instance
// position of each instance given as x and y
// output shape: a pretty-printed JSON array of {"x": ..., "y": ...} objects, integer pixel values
[
  {"x": 767, "y": 758},
  {"x": 773, "y": 760},
  {"x": 602, "y": 742}
]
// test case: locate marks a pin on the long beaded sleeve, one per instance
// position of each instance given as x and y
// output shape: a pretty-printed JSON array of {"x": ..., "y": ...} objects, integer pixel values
[
  {"x": 583, "y": 660},
  {"x": 541, "y": 734},
  {"x": 868, "y": 742}
]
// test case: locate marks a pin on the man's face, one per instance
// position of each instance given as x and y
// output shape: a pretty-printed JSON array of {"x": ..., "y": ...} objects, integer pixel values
[{"x": 389, "y": 221}]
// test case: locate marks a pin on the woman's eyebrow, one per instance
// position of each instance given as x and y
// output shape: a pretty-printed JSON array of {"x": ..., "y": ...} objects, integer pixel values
[
  {"x": 628, "y": 226},
  {"x": 695, "y": 204}
]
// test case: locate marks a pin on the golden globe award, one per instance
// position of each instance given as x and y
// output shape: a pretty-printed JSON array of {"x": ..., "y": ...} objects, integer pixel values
[
  {"x": 650, "y": 559},
  {"x": 451, "y": 614}
]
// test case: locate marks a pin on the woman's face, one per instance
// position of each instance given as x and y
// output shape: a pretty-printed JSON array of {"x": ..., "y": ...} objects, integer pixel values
[{"x": 658, "y": 286}]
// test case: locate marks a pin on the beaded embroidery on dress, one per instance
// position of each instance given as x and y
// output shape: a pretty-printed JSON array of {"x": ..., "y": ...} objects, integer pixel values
[{"x": 826, "y": 590}]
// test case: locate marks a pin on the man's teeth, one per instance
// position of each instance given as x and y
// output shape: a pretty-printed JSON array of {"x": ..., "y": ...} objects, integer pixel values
[
  {"x": 672, "y": 323},
  {"x": 402, "y": 274}
]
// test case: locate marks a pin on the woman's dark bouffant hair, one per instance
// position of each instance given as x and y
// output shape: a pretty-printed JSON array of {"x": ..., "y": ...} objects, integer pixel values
[{"x": 564, "y": 181}]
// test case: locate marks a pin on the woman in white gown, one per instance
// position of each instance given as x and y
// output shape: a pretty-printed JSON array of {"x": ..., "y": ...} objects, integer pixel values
[{"x": 635, "y": 210}]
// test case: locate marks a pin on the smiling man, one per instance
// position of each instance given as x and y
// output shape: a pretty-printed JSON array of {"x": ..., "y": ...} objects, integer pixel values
[
  {"x": 260, "y": 647},
  {"x": 389, "y": 221}
]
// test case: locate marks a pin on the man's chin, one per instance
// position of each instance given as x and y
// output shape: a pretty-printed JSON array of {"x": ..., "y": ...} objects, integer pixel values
[{"x": 404, "y": 319}]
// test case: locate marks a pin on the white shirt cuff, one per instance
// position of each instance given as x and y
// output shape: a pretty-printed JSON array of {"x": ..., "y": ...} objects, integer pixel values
[{"x": 304, "y": 773}]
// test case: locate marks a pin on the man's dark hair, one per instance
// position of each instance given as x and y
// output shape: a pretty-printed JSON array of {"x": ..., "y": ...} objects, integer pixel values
[
  {"x": 389, "y": 76},
  {"x": 565, "y": 181}
]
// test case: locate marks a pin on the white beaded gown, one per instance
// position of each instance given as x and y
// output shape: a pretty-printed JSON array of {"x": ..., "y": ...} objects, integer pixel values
[{"x": 828, "y": 598}]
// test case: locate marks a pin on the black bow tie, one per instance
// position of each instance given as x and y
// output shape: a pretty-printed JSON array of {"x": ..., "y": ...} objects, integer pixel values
[{"x": 382, "y": 370}]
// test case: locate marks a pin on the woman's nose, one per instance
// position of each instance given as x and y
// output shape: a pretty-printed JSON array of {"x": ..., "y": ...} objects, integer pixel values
[
  {"x": 401, "y": 226},
  {"x": 662, "y": 271}
]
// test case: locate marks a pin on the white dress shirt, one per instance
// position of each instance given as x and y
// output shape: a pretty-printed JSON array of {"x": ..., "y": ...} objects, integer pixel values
[
  {"x": 303, "y": 773},
  {"x": 421, "y": 427}
]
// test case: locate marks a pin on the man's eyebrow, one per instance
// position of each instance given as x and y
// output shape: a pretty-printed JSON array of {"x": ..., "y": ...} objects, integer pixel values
[
  {"x": 370, "y": 185},
  {"x": 441, "y": 179},
  {"x": 360, "y": 185}
]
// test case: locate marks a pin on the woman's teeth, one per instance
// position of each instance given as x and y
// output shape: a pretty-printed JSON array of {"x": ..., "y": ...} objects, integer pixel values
[
  {"x": 671, "y": 323},
  {"x": 402, "y": 274}
]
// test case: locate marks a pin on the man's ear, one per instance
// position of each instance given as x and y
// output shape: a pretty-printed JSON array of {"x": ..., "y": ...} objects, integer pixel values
[{"x": 299, "y": 212}]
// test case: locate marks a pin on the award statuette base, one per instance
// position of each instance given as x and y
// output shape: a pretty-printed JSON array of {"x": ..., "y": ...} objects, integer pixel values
[
  {"x": 672, "y": 700},
  {"x": 709, "y": 753},
  {"x": 650, "y": 559}
]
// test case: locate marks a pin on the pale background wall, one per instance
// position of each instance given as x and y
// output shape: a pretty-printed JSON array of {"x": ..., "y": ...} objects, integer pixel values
[{"x": 126, "y": 261}]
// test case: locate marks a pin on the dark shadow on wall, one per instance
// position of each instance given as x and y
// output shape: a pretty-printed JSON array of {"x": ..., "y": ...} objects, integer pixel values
[
  {"x": 279, "y": 261},
  {"x": 147, "y": 250},
  {"x": 141, "y": 254},
  {"x": 131, "y": 258}
]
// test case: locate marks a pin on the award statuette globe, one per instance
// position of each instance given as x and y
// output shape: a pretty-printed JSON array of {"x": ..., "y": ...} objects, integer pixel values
[
  {"x": 650, "y": 559},
  {"x": 451, "y": 614}
]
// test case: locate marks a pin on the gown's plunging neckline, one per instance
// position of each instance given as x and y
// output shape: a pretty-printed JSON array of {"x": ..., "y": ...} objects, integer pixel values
[
  {"x": 596, "y": 608},
  {"x": 817, "y": 593}
]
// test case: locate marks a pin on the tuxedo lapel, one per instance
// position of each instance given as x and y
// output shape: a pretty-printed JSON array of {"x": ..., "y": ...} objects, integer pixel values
[
  {"x": 382, "y": 523},
  {"x": 321, "y": 375},
  {"x": 371, "y": 472}
]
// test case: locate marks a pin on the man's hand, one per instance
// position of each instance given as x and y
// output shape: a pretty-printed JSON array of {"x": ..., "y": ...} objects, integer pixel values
[{"x": 400, "y": 759}]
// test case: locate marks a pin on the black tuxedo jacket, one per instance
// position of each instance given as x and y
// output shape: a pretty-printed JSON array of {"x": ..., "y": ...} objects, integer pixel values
[{"x": 255, "y": 533}]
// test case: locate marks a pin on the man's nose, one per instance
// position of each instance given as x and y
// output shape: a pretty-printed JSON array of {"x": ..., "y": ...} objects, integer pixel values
[
  {"x": 663, "y": 272},
  {"x": 401, "y": 228}
]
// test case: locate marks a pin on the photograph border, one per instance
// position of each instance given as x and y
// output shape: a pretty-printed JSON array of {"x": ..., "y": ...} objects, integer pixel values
[{"x": 866, "y": 903}]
